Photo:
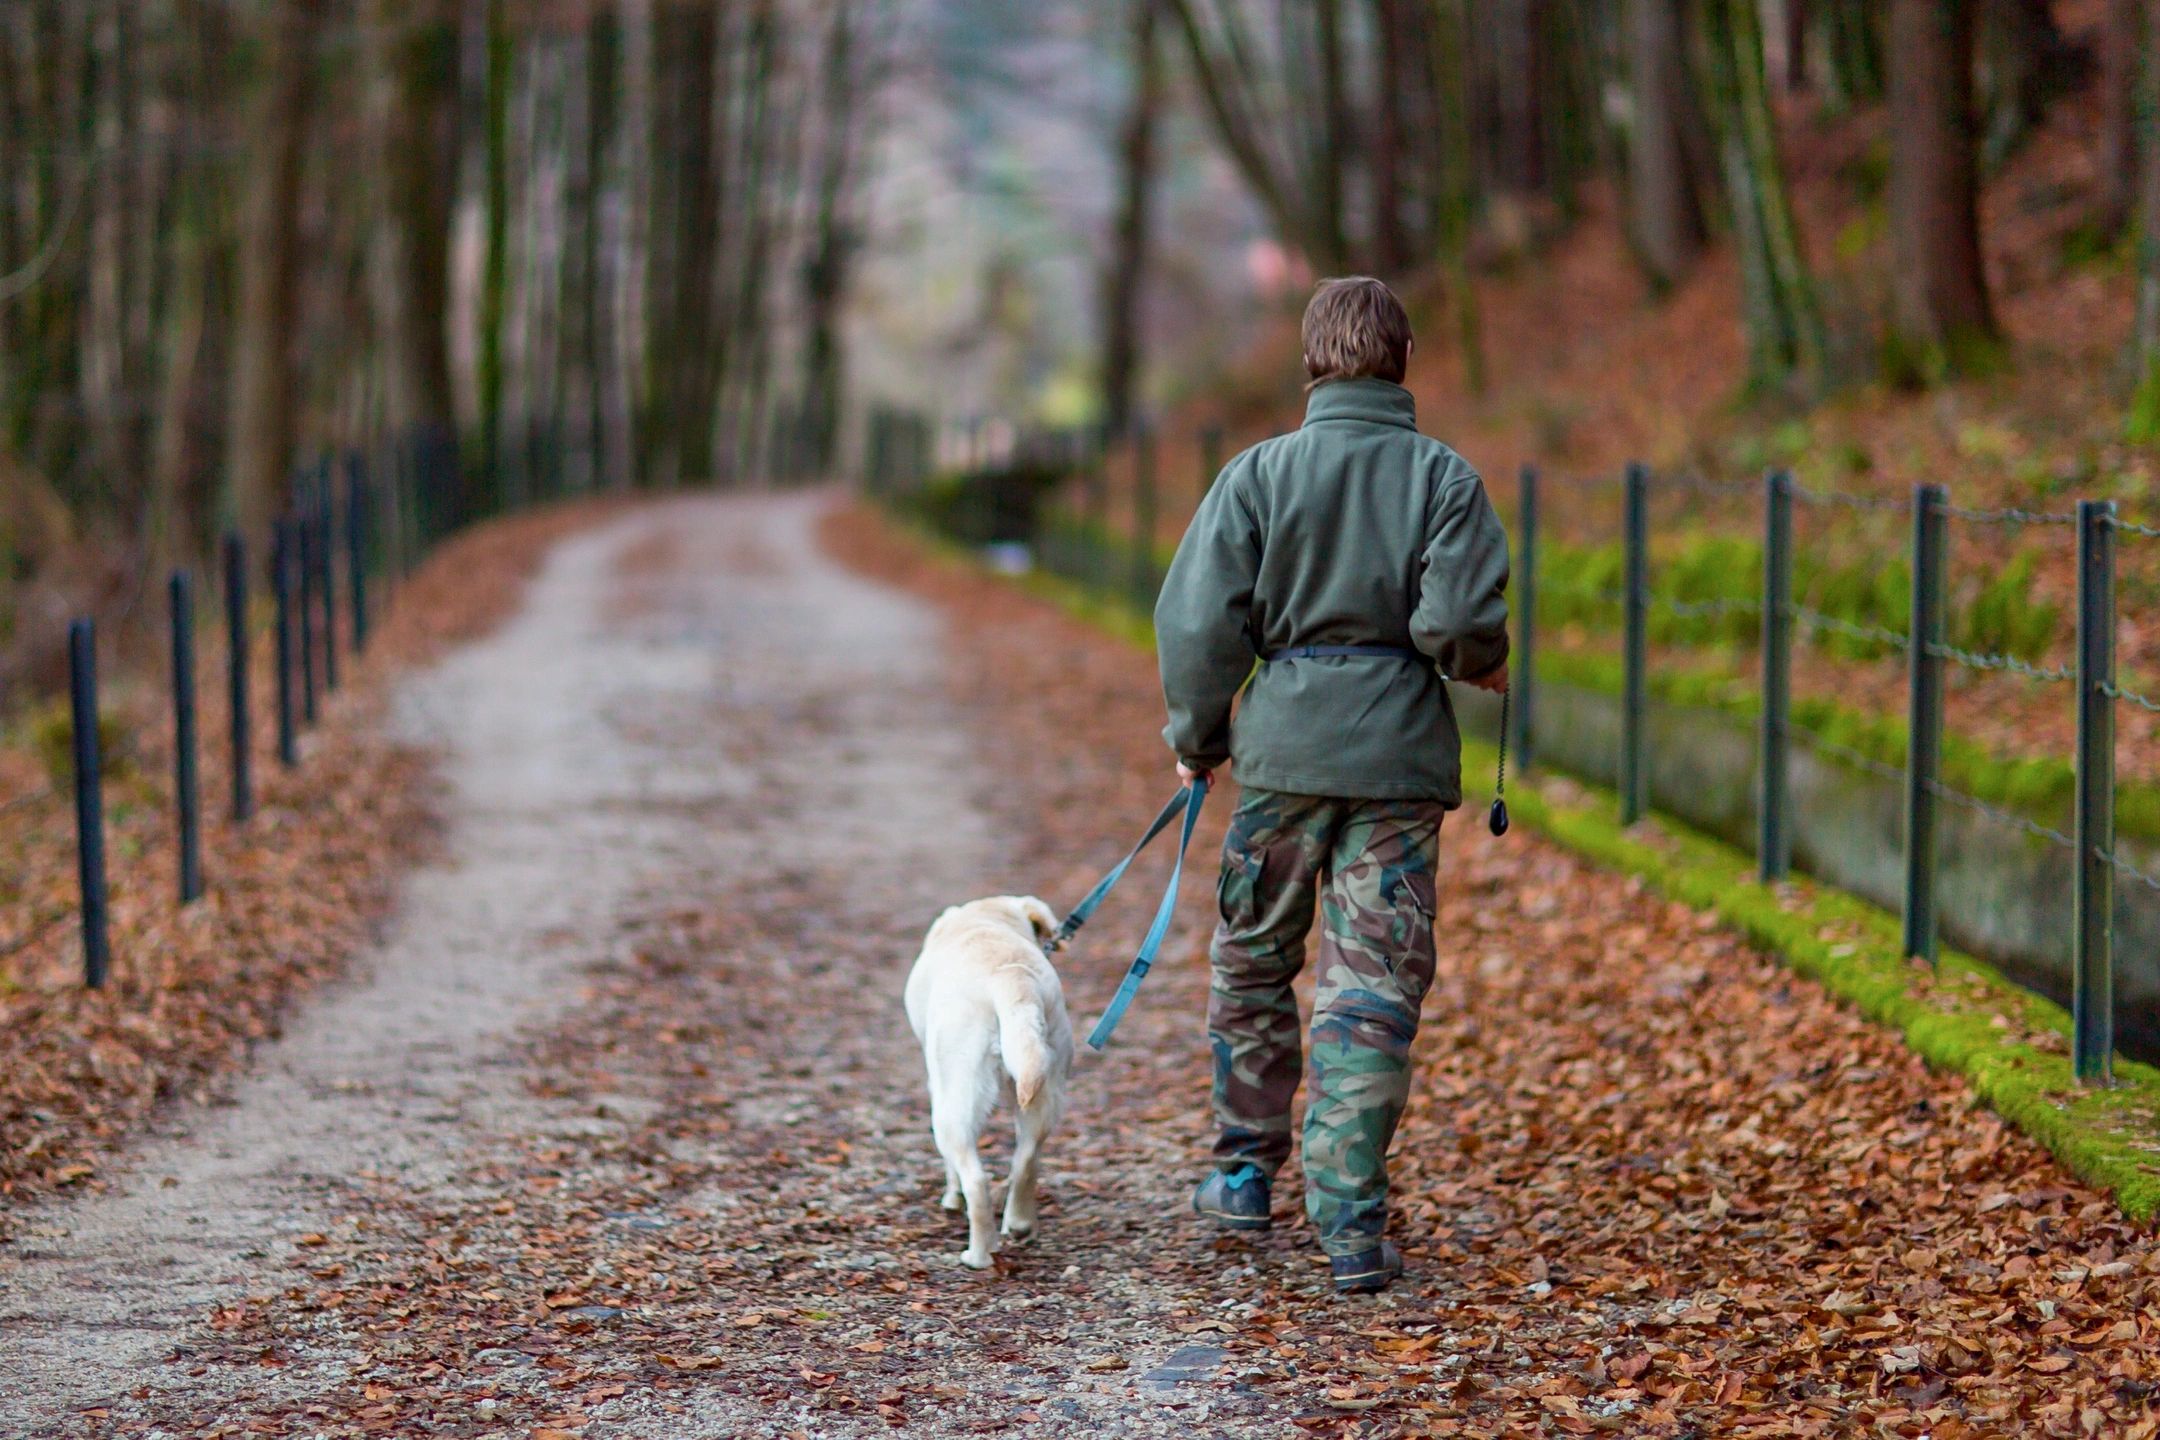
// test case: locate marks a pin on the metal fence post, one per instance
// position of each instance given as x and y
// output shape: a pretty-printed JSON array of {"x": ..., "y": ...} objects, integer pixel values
[
  {"x": 187, "y": 797},
  {"x": 325, "y": 514},
  {"x": 1634, "y": 775},
  {"x": 236, "y": 674},
  {"x": 1773, "y": 844},
  {"x": 1923, "y": 760},
  {"x": 356, "y": 546},
  {"x": 1521, "y": 671},
  {"x": 281, "y": 586},
  {"x": 2092, "y": 1003},
  {"x": 1143, "y": 536},
  {"x": 89, "y": 799},
  {"x": 302, "y": 557}
]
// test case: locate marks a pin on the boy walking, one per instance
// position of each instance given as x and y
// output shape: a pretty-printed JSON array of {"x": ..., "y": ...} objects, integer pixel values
[{"x": 1358, "y": 562}]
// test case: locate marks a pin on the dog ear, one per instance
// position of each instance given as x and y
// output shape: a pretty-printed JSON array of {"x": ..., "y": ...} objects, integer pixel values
[{"x": 1041, "y": 916}]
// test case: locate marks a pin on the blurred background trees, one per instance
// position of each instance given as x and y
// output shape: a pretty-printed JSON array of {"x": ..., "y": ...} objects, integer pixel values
[{"x": 689, "y": 242}]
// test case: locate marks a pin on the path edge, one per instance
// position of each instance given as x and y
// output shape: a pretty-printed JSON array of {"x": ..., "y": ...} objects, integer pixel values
[{"x": 1959, "y": 1019}]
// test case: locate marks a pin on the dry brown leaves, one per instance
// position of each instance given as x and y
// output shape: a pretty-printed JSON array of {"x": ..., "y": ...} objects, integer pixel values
[
  {"x": 1655, "y": 1183},
  {"x": 289, "y": 895}
]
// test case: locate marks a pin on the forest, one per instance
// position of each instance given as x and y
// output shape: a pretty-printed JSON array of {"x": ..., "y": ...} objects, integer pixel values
[
  {"x": 675, "y": 242},
  {"x": 237, "y": 235}
]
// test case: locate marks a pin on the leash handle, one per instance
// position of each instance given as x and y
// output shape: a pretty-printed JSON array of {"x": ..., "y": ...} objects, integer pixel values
[
  {"x": 1192, "y": 798},
  {"x": 1080, "y": 913}
]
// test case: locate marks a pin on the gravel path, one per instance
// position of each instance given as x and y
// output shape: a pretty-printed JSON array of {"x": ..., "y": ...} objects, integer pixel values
[
  {"x": 704, "y": 794},
  {"x": 621, "y": 1131}
]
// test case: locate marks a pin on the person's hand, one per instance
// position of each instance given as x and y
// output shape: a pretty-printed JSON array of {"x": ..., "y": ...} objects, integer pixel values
[
  {"x": 1187, "y": 775},
  {"x": 1495, "y": 681}
]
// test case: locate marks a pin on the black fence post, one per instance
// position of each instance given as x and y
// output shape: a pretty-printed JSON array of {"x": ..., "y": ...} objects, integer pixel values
[
  {"x": 236, "y": 675},
  {"x": 1143, "y": 536},
  {"x": 325, "y": 514},
  {"x": 2092, "y": 1005},
  {"x": 187, "y": 796},
  {"x": 1923, "y": 760},
  {"x": 89, "y": 800},
  {"x": 302, "y": 557},
  {"x": 356, "y": 546},
  {"x": 281, "y": 586},
  {"x": 1211, "y": 458},
  {"x": 1773, "y": 845},
  {"x": 1522, "y": 665},
  {"x": 1634, "y": 774}
]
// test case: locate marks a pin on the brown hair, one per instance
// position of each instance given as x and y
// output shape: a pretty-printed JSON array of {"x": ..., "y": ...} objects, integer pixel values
[{"x": 1355, "y": 327}]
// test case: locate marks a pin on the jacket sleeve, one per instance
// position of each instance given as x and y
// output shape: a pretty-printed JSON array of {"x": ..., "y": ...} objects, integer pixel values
[
  {"x": 1202, "y": 633},
  {"x": 1461, "y": 616}
]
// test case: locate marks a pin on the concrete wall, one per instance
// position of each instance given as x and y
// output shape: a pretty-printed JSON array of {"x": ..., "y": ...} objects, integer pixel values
[{"x": 2004, "y": 895}]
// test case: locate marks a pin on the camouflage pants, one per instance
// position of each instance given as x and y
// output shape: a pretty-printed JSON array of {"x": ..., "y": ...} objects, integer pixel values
[{"x": 1372, "y": 863}]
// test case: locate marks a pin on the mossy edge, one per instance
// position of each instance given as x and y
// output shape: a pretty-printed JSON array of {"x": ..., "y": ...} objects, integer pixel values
[{"x": 1849, "y": 947}]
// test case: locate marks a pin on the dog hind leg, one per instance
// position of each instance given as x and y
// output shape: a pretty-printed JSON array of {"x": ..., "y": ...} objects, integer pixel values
[
  {"x": 1032, "y": 1124},
  {"x": 964, "y": 1097}
]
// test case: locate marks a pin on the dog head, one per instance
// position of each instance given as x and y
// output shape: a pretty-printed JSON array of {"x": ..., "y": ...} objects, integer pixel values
[{"x": 1026, "y": 914}]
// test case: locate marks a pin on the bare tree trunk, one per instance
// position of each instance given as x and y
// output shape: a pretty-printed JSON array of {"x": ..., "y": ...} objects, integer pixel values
[
  {"x": 832, "y": 245},
  {"x": 1797, "y": 18},
  {"x": 1391, "y": 136},
  {"x": 1664, "y": 204},
  {"x": 1855, "y": 50},
  {"x": 263, "y": 419},
  {"x": 1334, "y": 132},
  {"x": 415, "y": 57},
  {"x": 1450, "y": 60},
  {"x": 495, "y": 265},
  {"x": 1124, "y": 280},
  {"x": 2120, "y": 46},
  {"x": 1940, "y": 312},
  {"x": 2144, "y": 427},
  {"x": 1784, "y": 327},
  {"x": 688, "y": 69},
  {"x": 1223, "y": 52}
]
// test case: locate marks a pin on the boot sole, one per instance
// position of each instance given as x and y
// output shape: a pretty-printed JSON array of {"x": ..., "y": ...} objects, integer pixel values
[{"x": 1235, "y": 1222}]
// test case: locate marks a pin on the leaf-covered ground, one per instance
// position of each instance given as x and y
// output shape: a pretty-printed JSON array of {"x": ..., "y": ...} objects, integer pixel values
[
  {"x": 1650, "y": 1185},
  {"x": 290, "y": 895}
]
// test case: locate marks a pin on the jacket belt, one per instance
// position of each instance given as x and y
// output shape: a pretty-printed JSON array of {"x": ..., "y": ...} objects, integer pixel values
[{"x": 1376, "y": 652}]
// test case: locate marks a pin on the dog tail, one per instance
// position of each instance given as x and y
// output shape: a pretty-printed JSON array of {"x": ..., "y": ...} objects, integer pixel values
[{"x": 1022, "y": 1042}]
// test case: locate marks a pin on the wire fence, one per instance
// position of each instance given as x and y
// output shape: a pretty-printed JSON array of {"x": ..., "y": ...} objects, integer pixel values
[
  {"x": 1055, "y": 513},
  {"x": 357, "y": 525}
]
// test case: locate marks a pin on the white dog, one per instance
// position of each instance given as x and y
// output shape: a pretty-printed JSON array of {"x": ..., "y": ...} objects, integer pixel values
[{"x": 987, "y": 1007}]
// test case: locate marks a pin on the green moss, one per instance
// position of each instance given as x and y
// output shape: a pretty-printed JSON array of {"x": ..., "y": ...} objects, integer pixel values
[
  {"x": 1964, "y": 1017},
  {"x": 2040, "y": 787}
]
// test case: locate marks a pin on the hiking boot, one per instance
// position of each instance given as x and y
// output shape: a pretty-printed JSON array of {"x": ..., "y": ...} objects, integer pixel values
[
  {"x": 1236, "y": 1199},
  {"x": 1366, "y": 1271}
]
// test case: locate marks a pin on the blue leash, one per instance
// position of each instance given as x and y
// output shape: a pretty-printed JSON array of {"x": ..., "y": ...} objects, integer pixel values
[{"x": 1186, "y": 802}]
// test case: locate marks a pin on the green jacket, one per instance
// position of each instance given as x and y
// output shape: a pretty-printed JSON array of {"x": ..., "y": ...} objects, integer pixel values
[{"x": 1352, "y": 530}]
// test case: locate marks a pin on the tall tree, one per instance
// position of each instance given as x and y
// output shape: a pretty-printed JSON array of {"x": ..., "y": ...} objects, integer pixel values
[
  {"x": 1271, "y": 143},
  {"x": 264, "y": 390},
  {"x": 2121, "y": 45},
  {"x": 414, "y": 53},
  {"x": 1124, "y": 277},
  {"x": 495, "y": 57},
  {"x": 1664, "y": 201},
  {"x": 1450, "y": 63},
  {"x": 1941, "y": 317},
  {"x": 2145, "y": 406},
  {"x": 832, "y": 240},
  {"x": 1784, "y": 325}
]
